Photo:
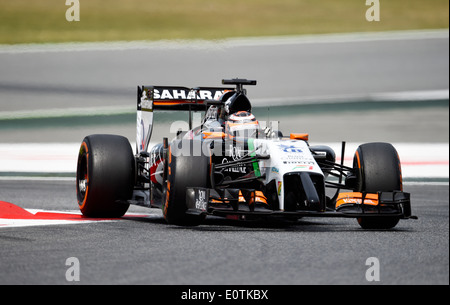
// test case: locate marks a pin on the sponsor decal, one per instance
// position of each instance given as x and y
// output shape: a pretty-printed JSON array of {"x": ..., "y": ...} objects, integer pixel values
[
  {"x": 145, "y": 102},
  {"x": 279, "y": 187},
  {"x": 358, "y": 201},
  {"x": 186, "y": 94},
  {"x": 234, "y": 169},
  {"x": 356, "y": 198},
  {"x": 201, "y": 201},
  {"x": 300, "y": 161},
  {"x": 302, "y": 167},
  {"x": 236, "y": 152},
  {"x": 290, "y": 148}
]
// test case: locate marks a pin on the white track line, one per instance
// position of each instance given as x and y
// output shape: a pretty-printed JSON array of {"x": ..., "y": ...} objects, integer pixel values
[
  {"x": 419, "y": 160},
  {"x": 221, "y": 44}
]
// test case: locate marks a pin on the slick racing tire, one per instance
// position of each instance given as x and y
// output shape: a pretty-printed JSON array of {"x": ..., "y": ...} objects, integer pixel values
[
  {"x": 185, "y": 168},
  {"x": 378, "y": 170},
  {"x": 105, "y": 175}
]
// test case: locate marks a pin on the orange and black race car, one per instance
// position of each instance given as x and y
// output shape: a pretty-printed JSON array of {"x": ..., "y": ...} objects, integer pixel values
[{"x": 233, "y": 165}]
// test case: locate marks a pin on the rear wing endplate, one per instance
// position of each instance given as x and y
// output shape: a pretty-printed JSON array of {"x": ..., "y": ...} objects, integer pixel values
[{"x": 151, "y": 98}]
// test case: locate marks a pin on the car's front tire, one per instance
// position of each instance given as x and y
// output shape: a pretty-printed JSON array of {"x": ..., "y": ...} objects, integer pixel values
[
  {"x": 378, "y": 169},
  {"x": 184, "y": 169}
]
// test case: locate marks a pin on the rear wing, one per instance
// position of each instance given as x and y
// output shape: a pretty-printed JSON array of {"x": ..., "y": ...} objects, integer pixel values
[
  {"x": 178, "y": 98},
  {"x": 166, "y": 98}
]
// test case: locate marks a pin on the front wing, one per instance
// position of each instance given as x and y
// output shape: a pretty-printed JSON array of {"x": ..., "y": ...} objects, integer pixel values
[{"x": 241, "y": 204}]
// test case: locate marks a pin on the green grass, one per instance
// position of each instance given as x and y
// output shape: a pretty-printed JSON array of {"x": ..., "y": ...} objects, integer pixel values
[{"x": 39, "y": 21}]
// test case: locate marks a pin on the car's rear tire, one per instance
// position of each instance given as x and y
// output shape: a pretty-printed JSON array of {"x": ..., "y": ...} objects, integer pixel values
[
  {"x": 183, "y": 170},
  {"x": 105, "y": 175},
  {"x": 378, "y": 169}
]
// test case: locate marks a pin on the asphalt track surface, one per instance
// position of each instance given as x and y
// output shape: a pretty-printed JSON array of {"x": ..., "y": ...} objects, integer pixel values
[
  {"x": 220, "y": 251},
  {"x": 148, "y": 251}
]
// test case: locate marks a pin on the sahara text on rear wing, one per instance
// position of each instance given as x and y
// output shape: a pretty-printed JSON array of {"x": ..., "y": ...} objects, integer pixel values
[{"x": 170, "y": 98}]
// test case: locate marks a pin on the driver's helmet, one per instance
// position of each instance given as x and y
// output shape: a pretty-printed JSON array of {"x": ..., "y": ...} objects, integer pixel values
[
  {"x": 242, "y": 124},
  {"x": 234, "y": 102}
]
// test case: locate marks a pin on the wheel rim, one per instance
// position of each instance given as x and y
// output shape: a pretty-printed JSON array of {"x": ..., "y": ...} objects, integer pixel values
[{"x": 82, "y": 179}]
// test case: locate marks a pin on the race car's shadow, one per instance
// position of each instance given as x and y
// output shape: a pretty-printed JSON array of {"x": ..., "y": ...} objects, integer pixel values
[
  {"x": 212, "y": 224},
  {"x": 222, "y": 224},
  {"x": 302, "y": 225}
]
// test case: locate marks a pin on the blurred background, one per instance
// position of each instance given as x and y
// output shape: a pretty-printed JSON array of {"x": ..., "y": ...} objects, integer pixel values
[
  {"x": 25, "y": 21},
  {"x": 321, "y": 67}
]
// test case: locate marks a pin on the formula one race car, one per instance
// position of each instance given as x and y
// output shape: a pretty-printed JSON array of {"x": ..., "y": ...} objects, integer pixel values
[{"x": 234, "y": 166}]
